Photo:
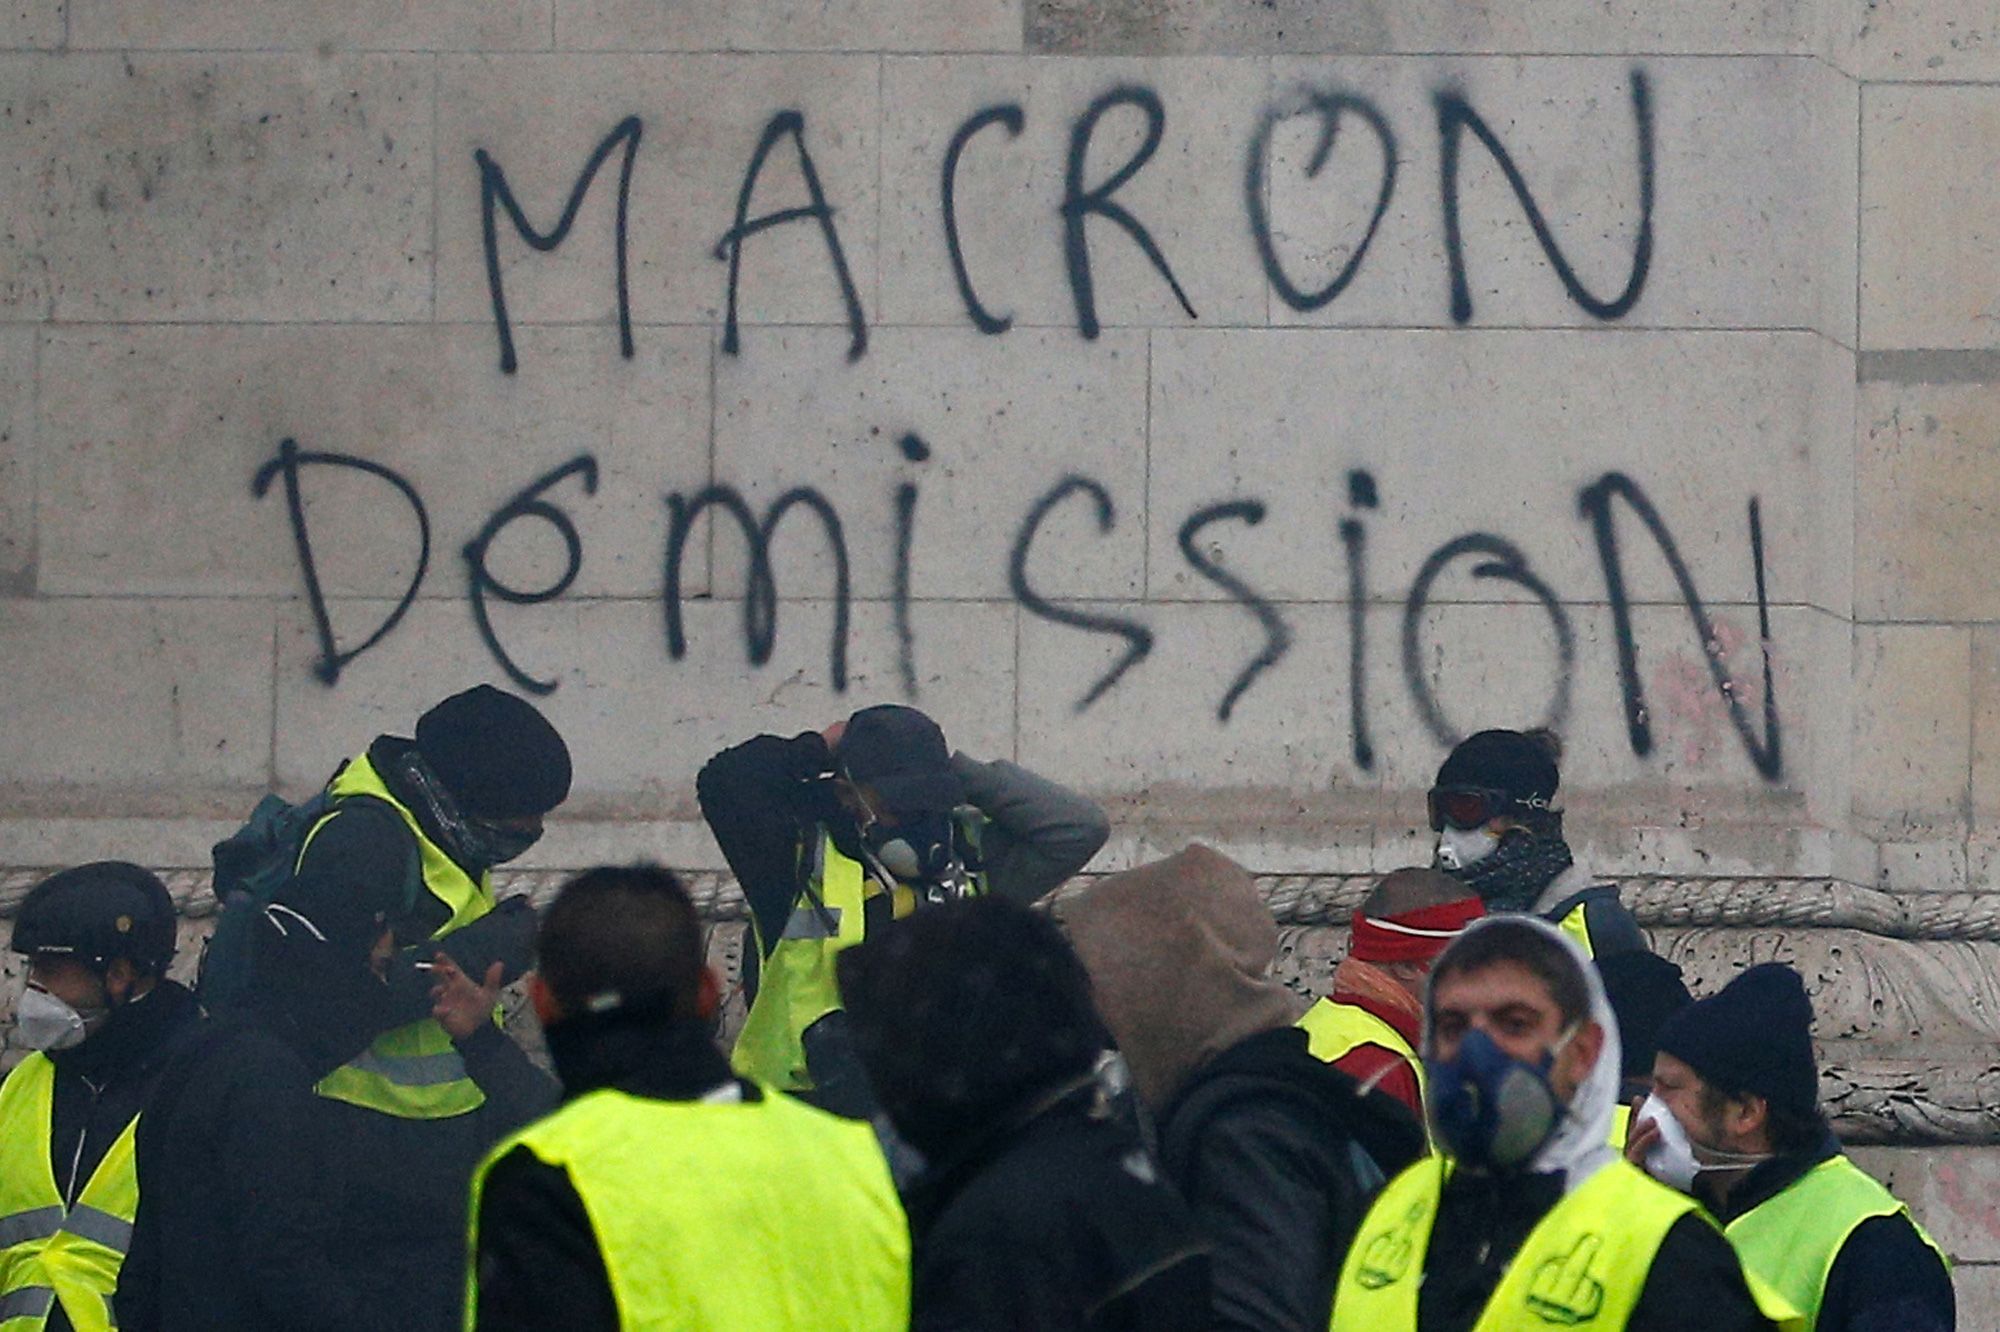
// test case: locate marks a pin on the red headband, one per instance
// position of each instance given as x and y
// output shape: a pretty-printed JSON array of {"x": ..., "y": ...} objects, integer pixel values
[{"x": 1413, "y": 936}]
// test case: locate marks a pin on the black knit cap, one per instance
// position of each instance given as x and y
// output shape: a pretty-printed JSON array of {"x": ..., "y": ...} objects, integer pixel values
[
  {"x": 497, "y": 755},
  {"x": 1521, "y": 763},
  {"x": 1754, "y": 1037}
]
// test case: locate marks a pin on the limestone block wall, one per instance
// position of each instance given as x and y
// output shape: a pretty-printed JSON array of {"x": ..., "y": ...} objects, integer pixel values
[{"x": 1219, "y": 405}]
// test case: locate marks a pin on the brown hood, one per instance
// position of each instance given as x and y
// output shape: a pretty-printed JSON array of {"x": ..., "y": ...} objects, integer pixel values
[{"x": 1179, "y": 954}]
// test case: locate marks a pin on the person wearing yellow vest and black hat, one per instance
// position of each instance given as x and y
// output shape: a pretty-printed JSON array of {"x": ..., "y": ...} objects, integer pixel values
[
  {"x": 833, "y": 834},
  {"x": 1735, "y": 1119},
  {"x": 1527, "y": 1218},
  {"x": 442, "y": 1082},
  {"x": 667, "y": 1192},
  {"x": 1499, "y": 833},
  {"x": 1368, "y": 1028},
  {"x": 245, "y": 1221},
  {"x": 101, "y": 1020}
]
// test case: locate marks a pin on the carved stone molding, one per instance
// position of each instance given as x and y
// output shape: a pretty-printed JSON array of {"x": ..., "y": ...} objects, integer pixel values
[{"x": 1906, "y": 987}]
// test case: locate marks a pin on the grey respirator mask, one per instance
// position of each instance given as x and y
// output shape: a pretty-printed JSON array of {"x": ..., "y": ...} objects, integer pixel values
[
  {"x": 44, "y": 1022},
  {"x": 918, "y": 851}
]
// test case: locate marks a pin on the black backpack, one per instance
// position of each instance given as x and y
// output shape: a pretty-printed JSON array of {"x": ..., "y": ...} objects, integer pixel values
[{"x": 253, "y": 865}]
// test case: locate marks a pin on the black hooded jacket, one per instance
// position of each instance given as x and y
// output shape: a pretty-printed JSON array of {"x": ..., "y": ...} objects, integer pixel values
[
  {"x": 236, "y": 1226},
  {"x": 263, "y": 1205},
  {"x": 1056, "y": 1218},
  {"x": 1278, "y": 1157}
]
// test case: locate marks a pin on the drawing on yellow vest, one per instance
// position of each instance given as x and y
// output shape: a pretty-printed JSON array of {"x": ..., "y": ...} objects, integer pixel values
[
  {"x": 1387, "y": 1257},
  {"x": 1563, "y": 1289}
]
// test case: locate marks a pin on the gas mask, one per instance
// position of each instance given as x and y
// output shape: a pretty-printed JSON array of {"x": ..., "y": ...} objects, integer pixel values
[
  {"x": 1493, "y": 1111},
  {"x": 44, "y": 1022},
  {"x": 918, "y": 851}
]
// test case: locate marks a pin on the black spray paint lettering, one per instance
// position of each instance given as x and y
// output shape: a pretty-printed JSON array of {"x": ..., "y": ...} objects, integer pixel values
[
  {"x": 1079, "y": 203},
  {"x": 1330, "y": 107},
  {"x": 1361, "y": 494},
  {"x": 1595, "y": 502},
  {"x": 760, "y": 597},
  {"x": 1455, "y": 116},
  {"x": 528, "y": 503},
  {"x": 1014, "y": 119},
  {"x": 287, "y": 464},
  {"x": 730, "y": 247},
  {"x": 1505, "y": 562},
  {"x": 916, "y": 451},
  {"x": 1138, "y": 638},
  {"x": 1498, "y": 559},
  {"x": 495, "y": 194},
  {"x": 1277, "y": 637}
]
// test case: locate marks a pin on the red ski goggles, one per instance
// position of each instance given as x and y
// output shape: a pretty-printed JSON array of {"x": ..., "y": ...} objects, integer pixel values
[{"x": 1474, "y": 806}]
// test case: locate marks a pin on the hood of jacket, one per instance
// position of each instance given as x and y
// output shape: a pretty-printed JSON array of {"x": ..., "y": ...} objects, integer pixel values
[
  {"x": 1580, "y": 1146},
  {"x": 1179, "y": 954}
]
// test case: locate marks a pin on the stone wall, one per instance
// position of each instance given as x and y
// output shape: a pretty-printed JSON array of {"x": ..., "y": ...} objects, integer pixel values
[{"x": 1219, "y": 405}]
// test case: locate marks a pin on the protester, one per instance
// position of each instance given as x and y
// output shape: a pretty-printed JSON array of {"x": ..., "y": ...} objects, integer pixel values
[
  {"x": 666, "y": 1192},
  {"x": 1735, "y": 1119},
  {"x": 833, "y": 834},
  {"x": 1275, "y": 1152},
  {"x": 101, "y": 1019},
  {"x": 1529, "y": 1219},
  {"x": 245, "y": 1220},
  {"x": 440, "y": 1082},
  {"x": 1499, "y": 833},
  {"x": 1040, "y": 1206},
  {"x": 1369, "y": 1027}
]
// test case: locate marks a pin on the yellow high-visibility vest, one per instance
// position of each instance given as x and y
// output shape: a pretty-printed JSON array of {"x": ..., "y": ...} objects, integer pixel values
[
  {"x": 413, "y": 1071},
  {"x": 796, "y": 985},
  {"x": 1334, "y": 1030},
  {"x": 1583, "y": 1265},
  {"x": 718, "y": 1217},
  {"x": 50, "y": 1253},
  {"x": 1792, "y": 1240}
]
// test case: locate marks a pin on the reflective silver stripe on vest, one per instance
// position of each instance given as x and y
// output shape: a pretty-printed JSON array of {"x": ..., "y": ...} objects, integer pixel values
[
  {"x": 100, "y": 1227},
  {"x": 810, "y": 921},
  {"x": 27, "y": 1302},
  {"x": 23, "y": 1227},
  {"x": 431, "y": 1070}
]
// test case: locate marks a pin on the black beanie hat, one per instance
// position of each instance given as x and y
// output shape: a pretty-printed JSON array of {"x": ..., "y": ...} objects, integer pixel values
[
  {"x": 498, "y": 756},
  {"x": 1521, "y": 763},
  {"x": 1754, "y": 1037}
]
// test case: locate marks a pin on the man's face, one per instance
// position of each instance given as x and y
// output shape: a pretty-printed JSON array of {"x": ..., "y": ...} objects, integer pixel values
[
  {"x": 1517, "y": 1012},
  {"x": 73, "y": 982},
  {"x": 1714, "y": 1122}
]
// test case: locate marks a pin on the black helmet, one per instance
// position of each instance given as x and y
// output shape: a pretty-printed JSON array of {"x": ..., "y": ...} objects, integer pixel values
[{"x": 98, "y": 913}]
